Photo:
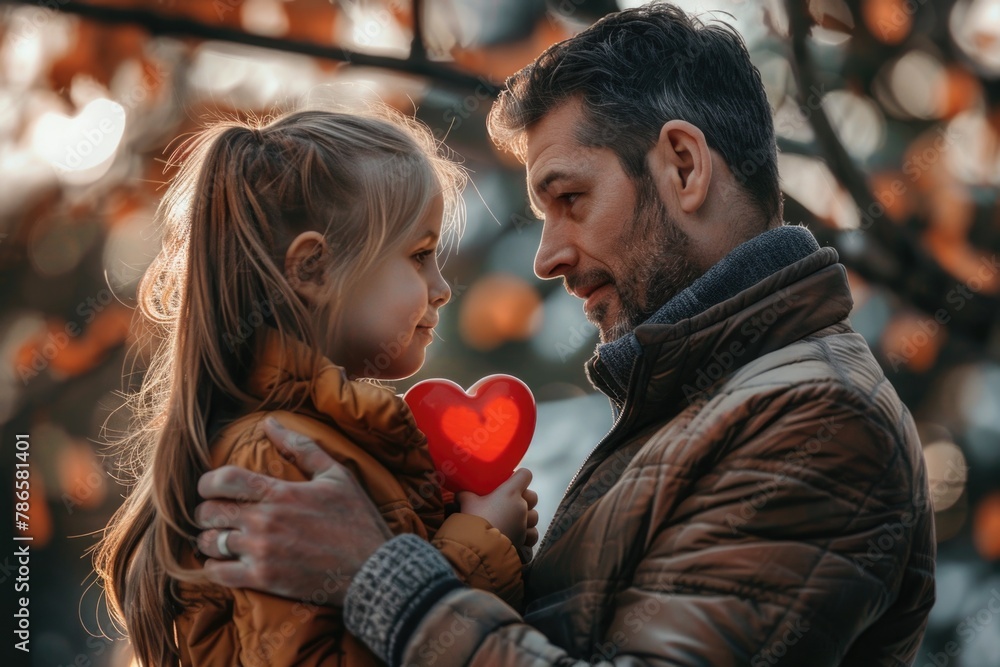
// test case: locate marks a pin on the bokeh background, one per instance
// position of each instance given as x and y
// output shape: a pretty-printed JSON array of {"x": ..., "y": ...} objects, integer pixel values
[{"x": 889, "y": 128}]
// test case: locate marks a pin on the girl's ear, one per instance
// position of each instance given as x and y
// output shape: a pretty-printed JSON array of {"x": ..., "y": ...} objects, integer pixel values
[{"x": 304, "y": 262}]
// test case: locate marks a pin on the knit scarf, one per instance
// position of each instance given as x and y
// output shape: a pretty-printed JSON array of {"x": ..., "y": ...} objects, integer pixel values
[{"x": 746, "y": 265}]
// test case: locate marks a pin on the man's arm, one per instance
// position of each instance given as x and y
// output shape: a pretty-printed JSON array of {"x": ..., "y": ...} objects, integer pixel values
[
  {"x": 765, "y": 561},
  {"x": 753, "y": 592}
]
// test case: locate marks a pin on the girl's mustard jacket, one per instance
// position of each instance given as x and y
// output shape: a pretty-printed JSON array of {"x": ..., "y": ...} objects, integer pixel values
[{"x": 371, "y": 431}]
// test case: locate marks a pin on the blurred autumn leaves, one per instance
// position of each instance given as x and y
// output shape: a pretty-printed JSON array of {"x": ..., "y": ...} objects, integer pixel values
[
  {"x": 911, "y": 90},
  {"x": 909, "y": 87}
]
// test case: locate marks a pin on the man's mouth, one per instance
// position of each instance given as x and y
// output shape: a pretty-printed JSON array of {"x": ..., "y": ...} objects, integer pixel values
[
  {"x": 585, "y": 292},
  {"x": 594, "y": 295}
]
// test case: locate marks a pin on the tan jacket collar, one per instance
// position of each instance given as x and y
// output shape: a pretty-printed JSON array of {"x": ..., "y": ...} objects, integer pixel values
[
  {"x": 371, "y": 416},
  {"x": 681, "y": 360}
]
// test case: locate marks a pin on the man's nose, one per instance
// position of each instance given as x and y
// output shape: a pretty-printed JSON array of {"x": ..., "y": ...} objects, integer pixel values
[{"x": 556, "y": 254}]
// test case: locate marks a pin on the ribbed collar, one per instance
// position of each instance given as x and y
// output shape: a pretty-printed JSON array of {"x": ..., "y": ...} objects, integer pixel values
[{"x": 746, "y": 265}]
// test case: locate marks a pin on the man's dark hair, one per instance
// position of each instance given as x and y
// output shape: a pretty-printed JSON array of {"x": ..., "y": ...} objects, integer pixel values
[{"x": 637, "y": 69}]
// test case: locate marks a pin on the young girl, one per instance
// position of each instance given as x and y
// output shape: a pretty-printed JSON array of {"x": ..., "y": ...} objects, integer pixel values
[{"x": 297, "y": 257}]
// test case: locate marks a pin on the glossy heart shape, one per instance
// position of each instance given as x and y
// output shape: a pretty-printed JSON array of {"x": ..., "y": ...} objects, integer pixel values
[{"x": 476, "y": 438}]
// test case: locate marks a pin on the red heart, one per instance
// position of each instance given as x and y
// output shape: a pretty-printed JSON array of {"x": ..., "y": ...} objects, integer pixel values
[{"x": 476, "y": 438}]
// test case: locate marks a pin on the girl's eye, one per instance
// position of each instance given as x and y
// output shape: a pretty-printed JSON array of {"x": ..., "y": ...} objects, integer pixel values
[{"x": 422, "y": 256}]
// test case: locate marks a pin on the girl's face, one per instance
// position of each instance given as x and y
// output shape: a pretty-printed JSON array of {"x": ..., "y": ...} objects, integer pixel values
[{"x": 387, "y": 321}]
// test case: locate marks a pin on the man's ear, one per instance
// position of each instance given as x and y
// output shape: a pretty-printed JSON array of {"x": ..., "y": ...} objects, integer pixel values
[
  {"x": 304, "y": 263},
  {"x": 681, "y": 165}
]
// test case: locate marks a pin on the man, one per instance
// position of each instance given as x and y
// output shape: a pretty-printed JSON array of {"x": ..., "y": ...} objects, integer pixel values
[{"x": 762, "y": 495}]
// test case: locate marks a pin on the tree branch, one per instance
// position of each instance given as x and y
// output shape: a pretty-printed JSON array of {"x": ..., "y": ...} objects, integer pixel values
[
  {"x": 160, "y": 24},
  {"x": 916, "y": 276},
  {"x": 418, "y": 51}
]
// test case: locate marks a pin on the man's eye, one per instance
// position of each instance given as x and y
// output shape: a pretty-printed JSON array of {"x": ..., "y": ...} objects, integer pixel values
[{"x": 569, "y": 197}]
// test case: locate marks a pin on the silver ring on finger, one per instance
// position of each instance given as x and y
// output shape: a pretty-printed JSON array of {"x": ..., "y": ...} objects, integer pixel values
[{"x": 222, "y": 543}]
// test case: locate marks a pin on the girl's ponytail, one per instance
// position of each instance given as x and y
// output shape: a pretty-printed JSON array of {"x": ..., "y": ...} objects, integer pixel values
[{"x": 231, "y": 288}]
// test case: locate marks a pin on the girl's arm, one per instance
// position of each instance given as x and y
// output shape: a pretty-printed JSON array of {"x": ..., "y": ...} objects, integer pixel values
[
  {"x": 484, "y": 541},
  {"x": 481, "y": 556}
]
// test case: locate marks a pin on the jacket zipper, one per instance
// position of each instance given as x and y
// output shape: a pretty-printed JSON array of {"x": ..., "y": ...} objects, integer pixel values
[{"x": 601, "y": 443}]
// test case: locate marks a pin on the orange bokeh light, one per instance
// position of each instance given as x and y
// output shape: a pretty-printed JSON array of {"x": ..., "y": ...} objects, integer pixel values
[
  {"x": 499, "y": 308},
  {"x": 889, "y": 21},
  {"x": 986, "y": 527}
]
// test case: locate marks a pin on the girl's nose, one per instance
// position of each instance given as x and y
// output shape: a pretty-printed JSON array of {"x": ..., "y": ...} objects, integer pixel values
[{"x": 440, "y": 292}]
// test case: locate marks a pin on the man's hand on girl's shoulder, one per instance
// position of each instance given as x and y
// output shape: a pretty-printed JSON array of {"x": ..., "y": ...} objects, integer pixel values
[{"x": 292, "y": 539}]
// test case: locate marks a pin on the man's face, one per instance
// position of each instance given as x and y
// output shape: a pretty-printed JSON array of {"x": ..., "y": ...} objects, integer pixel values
[{"x": 619, "y": 251}]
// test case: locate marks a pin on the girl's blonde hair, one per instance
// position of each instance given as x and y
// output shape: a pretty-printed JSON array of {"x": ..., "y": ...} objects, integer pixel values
[{"x": 243, "y": 192}]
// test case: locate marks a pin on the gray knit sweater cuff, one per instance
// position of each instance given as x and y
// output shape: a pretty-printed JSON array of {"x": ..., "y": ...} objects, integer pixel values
[{"x": 395, "y": 587}]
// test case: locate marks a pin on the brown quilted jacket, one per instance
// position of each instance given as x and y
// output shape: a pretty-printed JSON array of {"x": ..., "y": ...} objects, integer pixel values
[
  {"x": 761, "y": 500},
  {"x": 372, "y": 432}
]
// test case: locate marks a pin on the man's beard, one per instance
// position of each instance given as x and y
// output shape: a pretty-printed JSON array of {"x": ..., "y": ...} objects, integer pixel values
[{"x": 659, "y": 254}]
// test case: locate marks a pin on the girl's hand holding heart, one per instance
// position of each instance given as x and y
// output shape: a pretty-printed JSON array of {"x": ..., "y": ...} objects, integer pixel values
[{"x": 510, "y": 508}]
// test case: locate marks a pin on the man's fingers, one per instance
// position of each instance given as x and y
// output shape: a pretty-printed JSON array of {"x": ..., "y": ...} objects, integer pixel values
[
  {"x": 532, "y": 518},
  {"x": 530, "y": 497},
  {"x": 208, "y": 543},
  {"x": 234, "y": 483},
  {"x": 229, "y": 573},
  {"x": 218, "y": 514},
  {"x": 300, "y": 449}
]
